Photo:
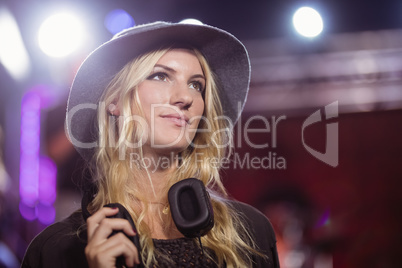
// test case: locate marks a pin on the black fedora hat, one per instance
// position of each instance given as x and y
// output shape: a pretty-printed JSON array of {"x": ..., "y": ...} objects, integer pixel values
[{"x": 225, "y": 54}]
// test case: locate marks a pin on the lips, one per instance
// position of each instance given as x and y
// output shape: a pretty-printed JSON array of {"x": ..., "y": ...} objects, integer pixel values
[{"x": 177, "y": 119}]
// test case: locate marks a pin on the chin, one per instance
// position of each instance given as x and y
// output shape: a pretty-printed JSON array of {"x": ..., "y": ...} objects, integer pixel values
[
  {"x": 172, "y": 147},
  {"x": 168, "y": 143}
]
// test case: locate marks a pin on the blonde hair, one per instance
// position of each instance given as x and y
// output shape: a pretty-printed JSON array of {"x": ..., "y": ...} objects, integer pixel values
[{"x": 229, "y": 239}]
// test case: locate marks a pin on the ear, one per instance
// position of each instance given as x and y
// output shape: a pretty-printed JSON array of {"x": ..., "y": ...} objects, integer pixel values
[{"x": 113, "y": 109}]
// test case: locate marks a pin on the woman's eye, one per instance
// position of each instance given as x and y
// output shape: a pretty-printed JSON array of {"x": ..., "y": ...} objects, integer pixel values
[
  {"x": 197, "y": 86},
  {"x": 158, "y": 77}
]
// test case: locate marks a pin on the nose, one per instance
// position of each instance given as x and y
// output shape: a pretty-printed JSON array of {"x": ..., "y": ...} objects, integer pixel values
[{"x": 181, "y": 96}]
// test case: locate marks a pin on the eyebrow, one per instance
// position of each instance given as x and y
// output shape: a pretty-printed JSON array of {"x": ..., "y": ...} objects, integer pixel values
[
  {"x": 174, "y": 71},
  {"x": 165, "y": 67}
]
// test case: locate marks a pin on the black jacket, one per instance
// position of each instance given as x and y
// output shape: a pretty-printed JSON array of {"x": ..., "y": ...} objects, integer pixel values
[{"x": 59, "y": 246}]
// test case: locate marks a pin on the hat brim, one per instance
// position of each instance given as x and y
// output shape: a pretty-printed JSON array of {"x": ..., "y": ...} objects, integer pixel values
[{"x": 226, "y": 55}]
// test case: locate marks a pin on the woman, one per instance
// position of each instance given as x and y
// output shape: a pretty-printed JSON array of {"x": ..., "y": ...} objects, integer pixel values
[{"x": 148, "y": 109}]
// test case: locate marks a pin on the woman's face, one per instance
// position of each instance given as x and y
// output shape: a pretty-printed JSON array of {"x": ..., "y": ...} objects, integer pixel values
[{"x": 172, "y": 100}]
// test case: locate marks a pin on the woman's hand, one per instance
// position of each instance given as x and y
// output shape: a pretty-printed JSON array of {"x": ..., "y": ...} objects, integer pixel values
[{"x": 102, "y": 251}]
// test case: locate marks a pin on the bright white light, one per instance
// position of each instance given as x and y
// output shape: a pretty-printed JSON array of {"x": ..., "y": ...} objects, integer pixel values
[
  {"x": 13, "y": 54},
  {"x": 60, "y": 35},
  {"x": 308, "y": 22},
  {"x": 191, "y": 21}
]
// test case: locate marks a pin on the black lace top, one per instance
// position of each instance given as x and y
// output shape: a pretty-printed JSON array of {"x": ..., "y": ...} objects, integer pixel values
[{"x": 183, "y": 252}]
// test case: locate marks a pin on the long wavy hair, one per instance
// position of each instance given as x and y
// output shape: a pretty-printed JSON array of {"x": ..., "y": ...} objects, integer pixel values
[{"x": 117, "y": 180}]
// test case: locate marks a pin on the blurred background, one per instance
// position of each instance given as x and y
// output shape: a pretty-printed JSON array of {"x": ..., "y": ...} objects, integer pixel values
[{"x": 318, "y": 147}]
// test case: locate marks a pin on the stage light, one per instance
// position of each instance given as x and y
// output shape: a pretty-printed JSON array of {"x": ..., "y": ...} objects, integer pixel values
[
  {"x": 37, "y": 172},
  {"x": 13, "y": 54},
  {"x": 29, "y": 149},
  {"x": 60, "y": 35},
  {"x": 308, "y": 22},
  {"x": 191, "y": 21},
  {"x": 118, "y": 20}
]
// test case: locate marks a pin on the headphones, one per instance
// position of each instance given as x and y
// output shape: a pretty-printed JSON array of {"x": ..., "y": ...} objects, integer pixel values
[
  {"x": 191, "y": 210},
  {"x": 191, "y": 207},
  {"x": 124, "y": 214}
]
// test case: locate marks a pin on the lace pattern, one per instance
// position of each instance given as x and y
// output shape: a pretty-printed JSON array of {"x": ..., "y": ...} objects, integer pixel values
[{"x": 183, "y": 252}]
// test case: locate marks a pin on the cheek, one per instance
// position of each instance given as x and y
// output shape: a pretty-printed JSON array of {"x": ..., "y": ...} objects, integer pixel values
[
  {"x": 199, "y": 106},
  {"x": 148, "y": 99},
  {"x": 198, "y": 113}
]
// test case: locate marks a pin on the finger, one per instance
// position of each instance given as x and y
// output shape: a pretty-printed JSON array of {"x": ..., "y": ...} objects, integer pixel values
[
  {"x": 107, "y": 226},
  {"x": 97, "y": 217},
  {"x": 118, "y": 245},
  {"x": 105, "y": 254}
]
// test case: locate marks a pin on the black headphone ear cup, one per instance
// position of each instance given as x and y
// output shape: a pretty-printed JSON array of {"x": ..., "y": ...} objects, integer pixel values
[{"x": 191, "y": 207}]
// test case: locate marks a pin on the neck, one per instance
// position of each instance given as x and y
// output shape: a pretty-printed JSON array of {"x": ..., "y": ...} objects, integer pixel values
[{"x": 156, "y": 170}]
